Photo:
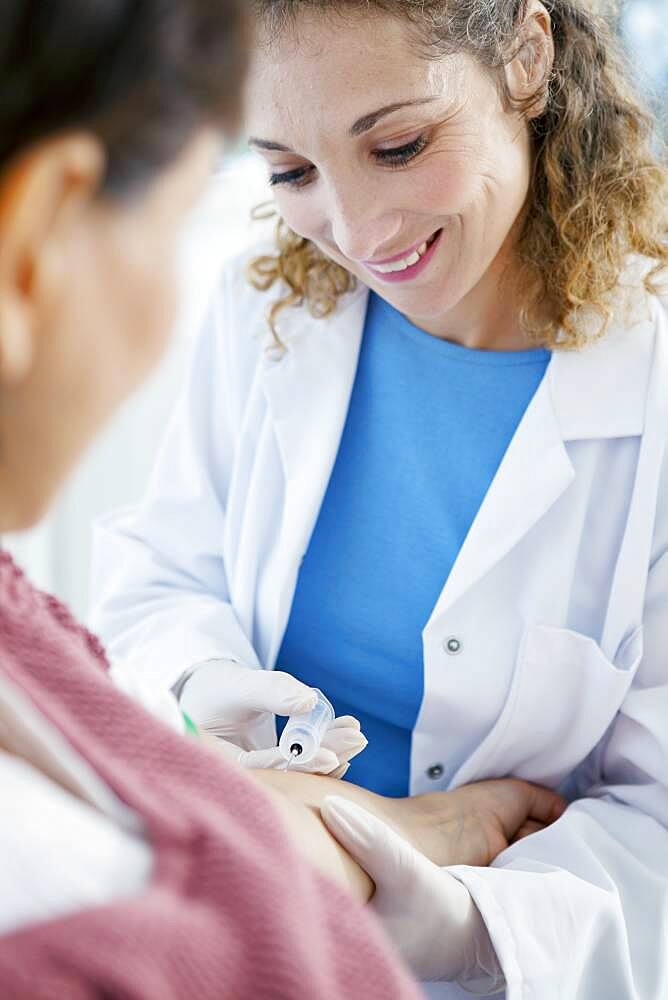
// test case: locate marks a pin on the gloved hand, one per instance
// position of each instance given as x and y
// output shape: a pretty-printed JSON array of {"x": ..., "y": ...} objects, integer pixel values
[
  {"x": 237, "y": 704},
  {"x": 429, "y": 915}
]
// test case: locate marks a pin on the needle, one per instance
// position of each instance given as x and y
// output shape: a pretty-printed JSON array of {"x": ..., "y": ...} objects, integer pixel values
[{"x": 294, "y": 753}]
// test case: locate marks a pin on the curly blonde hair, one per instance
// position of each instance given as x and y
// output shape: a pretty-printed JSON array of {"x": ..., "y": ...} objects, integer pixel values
[{"x": 599, "y": 190}]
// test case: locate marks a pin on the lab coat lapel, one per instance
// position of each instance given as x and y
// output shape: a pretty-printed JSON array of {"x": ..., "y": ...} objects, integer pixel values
[
  {"x": 596, "y": 393},
  {"x": 535, "y": 471},
  {"x": 593, "y": 394},
  {"x": 308, "y": 391}
]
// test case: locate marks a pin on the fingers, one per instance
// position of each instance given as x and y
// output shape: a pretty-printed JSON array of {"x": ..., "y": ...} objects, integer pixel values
[
  {"x": 339, "y": 772},
  {"x": 345, "y": 722},
  {"x": 271, "y": 759},
  {"x": 355, "y": 831},
  {"x": 382, "y": 853},
  {"x": 344, "y": 738},
  {"x": 264, "y": 760},
  {"x": 324, "y": 762},
  {"x": 545, "y": 805},
  {"x": 531, "y": 826},
  {"x": 237, "y": 693},
  {"x": 515, "y": 801},
  {"x": 275, "y": 691}
]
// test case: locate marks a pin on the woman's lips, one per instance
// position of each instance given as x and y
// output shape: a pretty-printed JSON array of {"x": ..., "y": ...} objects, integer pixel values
[
  {"x": 414, "y": 263},
  {"x": 400, "y": 256}
]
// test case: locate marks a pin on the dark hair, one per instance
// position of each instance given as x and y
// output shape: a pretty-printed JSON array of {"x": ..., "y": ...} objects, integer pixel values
[
  {"x": 599, "y": 191},
  {"x": 143, "y": 75}
]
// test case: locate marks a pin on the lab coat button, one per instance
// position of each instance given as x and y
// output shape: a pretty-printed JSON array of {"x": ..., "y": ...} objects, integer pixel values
[
  {"x": 435, "y": 772},
  {"x": 453, "y": 645}
]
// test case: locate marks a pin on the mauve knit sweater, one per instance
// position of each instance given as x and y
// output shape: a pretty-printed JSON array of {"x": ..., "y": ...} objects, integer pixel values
[{"x": 231, "y": 910}]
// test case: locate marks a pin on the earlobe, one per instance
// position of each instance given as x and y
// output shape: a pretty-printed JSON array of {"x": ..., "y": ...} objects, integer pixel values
[{"x": 16, "y": 341}]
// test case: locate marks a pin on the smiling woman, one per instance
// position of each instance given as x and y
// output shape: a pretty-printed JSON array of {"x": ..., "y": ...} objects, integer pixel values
[
  {"x": 442, "y": 497},
  {"x": 532, "y": 125}
]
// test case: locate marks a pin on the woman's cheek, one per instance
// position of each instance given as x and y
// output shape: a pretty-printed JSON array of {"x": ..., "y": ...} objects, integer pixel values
[
  {"x": 444, "y": 192},
  {"x": 303, "y": 214}
]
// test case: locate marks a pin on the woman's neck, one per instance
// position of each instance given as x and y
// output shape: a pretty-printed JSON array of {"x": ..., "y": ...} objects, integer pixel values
[{"x": 487, "y": 318}]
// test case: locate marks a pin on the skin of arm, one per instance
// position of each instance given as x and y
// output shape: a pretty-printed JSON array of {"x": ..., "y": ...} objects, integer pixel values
[
  {"x": 470, "y": 825},
  {"x": 299, "y": 806}
]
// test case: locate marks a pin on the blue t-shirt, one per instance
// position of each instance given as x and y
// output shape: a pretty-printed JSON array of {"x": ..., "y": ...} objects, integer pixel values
[{"x": 427, "y": 427}]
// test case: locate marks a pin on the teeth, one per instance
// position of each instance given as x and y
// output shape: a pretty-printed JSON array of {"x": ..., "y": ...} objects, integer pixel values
[{"x": 404, "y": 263}]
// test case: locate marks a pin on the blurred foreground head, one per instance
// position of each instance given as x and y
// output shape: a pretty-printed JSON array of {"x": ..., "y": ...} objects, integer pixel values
[{"x": 111, "y": 115}]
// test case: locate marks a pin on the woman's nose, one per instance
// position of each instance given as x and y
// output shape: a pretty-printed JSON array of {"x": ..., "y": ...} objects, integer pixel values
[{"x": 362, "y": 228}]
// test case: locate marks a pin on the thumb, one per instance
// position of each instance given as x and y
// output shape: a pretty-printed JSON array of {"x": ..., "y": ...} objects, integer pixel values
[{"x": 385, "y": 856}]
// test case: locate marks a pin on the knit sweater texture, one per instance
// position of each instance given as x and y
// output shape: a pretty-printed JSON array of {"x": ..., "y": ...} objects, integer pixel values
[{"x": 231, "y": 910}]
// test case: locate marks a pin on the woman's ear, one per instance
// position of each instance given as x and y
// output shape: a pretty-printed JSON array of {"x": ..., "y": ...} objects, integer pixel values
[
  {"x": 528, "y": 72},
  {"x": 43, "y": 194}
]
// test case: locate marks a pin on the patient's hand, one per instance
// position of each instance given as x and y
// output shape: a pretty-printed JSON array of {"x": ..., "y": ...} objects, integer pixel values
[
  {"x": 471, "y": 825},
  {"x": 468, "y": 826}
]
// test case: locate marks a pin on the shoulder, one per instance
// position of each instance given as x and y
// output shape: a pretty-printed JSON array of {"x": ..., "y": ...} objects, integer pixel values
[
  {"x": 240, "y": 315},
  {"x": 618, "y": 383},
  {"x": 233, "y": 290},
  {"x": 240, "y": 310},
  {"x": 635, "y": 354},
  {"x": 234, "y": 333}
]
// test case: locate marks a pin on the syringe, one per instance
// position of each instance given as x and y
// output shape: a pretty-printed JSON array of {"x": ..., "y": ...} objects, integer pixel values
[{"x": 303, "y": 733}]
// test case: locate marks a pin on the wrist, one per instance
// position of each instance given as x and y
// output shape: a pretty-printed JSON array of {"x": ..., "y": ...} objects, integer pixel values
[
  {"x": 430, "y": 825},
  {"x": 481, "y": 973},
  {"x": 179, "y": 686}
]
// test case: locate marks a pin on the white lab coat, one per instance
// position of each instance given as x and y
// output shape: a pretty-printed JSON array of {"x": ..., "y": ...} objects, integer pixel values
[{"x": 558, "y": 600}]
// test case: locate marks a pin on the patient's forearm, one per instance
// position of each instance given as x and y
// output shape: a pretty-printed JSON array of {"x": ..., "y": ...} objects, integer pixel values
[
  {"x": 311, "y": 789},
  {"x": 466, "y": 826},
  {"x": 298, "y": 802}
]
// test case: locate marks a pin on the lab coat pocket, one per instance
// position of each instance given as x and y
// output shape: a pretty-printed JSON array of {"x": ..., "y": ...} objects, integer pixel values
[{"x": 564, "y": 694}]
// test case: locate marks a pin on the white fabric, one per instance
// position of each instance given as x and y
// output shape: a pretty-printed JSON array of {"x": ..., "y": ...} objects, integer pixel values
[
  {"x": 59, "y": 853},
  {"x": 558, "y": 598}
]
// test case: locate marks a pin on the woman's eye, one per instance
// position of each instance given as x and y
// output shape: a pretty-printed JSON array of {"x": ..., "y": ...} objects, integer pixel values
[
  {"x": 399, "y": 155},
  {"x": 293, "y": 178}
]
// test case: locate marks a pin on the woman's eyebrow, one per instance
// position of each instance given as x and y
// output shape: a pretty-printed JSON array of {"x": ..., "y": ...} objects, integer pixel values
[
  {"x": 368, "y": 121},
  {"x": 268, "y": 144},
  {"x": 362, "y": 124}
]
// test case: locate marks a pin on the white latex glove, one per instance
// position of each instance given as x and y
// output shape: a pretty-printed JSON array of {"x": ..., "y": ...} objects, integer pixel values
[
  {"x": 429, "y": 915},
  {"x": 237, "y": 704}
]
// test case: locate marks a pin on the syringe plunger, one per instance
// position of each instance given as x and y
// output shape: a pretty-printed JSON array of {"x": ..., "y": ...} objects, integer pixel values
[{"x": 303, "y": 733}]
